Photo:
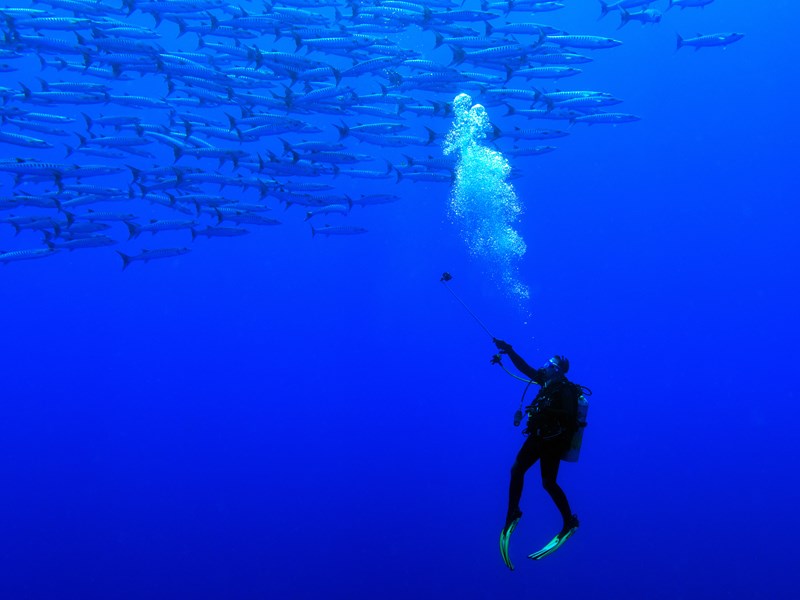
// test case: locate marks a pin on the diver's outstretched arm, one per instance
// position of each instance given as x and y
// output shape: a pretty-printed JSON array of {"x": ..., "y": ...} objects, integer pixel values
[{"x": 519, "y": 362}]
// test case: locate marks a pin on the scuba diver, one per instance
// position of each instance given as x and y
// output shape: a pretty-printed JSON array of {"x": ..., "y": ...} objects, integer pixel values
[
  {"x": 553, "y": 422},
  {"x": 556, "y": 419}
]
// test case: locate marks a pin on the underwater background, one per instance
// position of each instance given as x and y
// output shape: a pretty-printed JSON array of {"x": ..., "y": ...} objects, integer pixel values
[{"x": 281, "y": 415}]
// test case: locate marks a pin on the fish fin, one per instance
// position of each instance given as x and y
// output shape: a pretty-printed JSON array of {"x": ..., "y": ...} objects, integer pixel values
[{"x": 126, "y": 260}]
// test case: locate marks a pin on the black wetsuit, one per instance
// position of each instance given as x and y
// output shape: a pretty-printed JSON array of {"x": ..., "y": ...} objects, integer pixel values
[{"x": 552, "y": 420}]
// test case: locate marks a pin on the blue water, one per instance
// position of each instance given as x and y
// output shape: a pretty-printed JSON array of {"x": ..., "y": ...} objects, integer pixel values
[{"x": 281, "y": 416}]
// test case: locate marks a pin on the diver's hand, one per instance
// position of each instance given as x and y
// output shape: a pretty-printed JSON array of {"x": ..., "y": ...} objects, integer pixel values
[{"x": 501, "y": 345}]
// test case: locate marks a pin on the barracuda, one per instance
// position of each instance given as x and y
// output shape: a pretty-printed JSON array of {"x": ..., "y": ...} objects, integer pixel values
[
  {"x": 333, "y": 230},
  {"x": 342, "y": 209},
  {"x": 148, "y": 255},
  {"x": 154, "y": 226},
  {"x": 57, "y": 23},
  {"x": 19, "y": 139},
  {"x": 18, "y": 255},
  {"x": 211, "y": 231},
  {"x": 688, "y": 3},
  {"x": 707, "y": 41},
  {"x": 245, "y": 217},
  {"x": 374, "y": 199},
  {"x": 92, "y": 241},
  {"x": 609, "y": 118},
  {"x": 547, "y": 72},
  {"x": 589, "y": 42},
  {"x": 560, "y": 58},
  {"x": 491, "y": 54},
  {"x": 535, "y": 134}
]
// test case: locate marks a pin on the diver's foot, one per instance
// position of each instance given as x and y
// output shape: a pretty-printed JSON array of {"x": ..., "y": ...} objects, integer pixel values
[
  {"x": 570, "y": 525},
  {"x": 569, "y": 528},
  {"x": 512, "y": 519},
  {"x": 505, "y": 536}
]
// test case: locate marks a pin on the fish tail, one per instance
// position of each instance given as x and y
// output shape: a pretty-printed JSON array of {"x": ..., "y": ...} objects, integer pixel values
[
  {"x": 604, "y": 9},
  {"x": 133, "y": 230},
  {"x": 343, "y": 130},
  {"x": 624, "y": 17},
  {"x": 431, "y": 136},
  {"x": 458, "y": 55},
  {"x": 126, "y": 260},
  {"x": 680, "y": 42}
]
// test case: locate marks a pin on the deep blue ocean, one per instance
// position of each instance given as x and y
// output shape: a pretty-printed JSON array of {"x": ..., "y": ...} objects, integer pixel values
[{"x": 281, "y": 415}]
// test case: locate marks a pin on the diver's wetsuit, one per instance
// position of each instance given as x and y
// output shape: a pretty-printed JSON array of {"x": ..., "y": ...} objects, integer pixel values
[{"x": 551, "y": 424}]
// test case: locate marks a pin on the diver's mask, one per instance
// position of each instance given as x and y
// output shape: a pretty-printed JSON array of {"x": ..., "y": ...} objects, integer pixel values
[{"x": 552, "y": 367}]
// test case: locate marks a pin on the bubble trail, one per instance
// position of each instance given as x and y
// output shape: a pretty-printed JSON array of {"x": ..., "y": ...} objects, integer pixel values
[{"x": 482, "y": 202}]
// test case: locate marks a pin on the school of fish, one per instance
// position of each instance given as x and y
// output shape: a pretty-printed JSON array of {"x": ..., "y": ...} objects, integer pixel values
[{"x": 204, "y": 117}]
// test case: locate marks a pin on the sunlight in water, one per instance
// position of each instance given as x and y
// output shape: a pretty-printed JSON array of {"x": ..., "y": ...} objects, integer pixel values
[{"x": 482, "y": 203}]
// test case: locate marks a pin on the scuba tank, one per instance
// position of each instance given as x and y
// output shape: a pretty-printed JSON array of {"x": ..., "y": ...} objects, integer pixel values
[{"x": 574, "y": 450}]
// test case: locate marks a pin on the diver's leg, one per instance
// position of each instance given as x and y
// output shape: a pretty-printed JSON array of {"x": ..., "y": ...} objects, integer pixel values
[
  {"x": 549, "y": 464},
  {"x": 526, "y": 457}
]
